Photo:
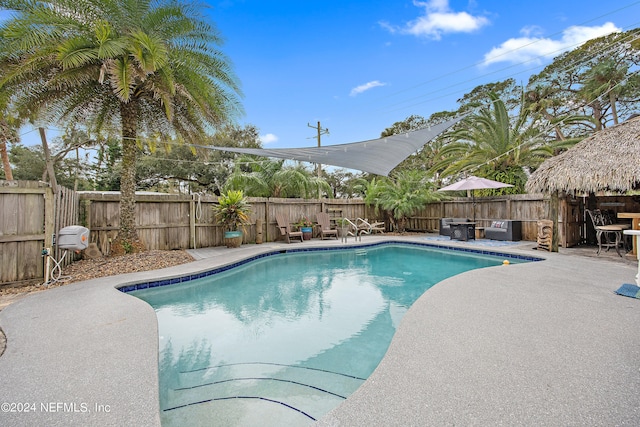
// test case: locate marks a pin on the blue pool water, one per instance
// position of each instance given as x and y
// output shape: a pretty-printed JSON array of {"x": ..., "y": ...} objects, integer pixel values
[{"x": 283, "y": 340}]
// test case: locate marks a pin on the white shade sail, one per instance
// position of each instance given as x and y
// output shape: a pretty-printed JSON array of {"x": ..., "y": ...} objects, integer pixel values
[{"x": 377, "y": 156}]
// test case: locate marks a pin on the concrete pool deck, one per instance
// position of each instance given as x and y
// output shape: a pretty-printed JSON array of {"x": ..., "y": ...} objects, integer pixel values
[{"x": 543, "y": 343}]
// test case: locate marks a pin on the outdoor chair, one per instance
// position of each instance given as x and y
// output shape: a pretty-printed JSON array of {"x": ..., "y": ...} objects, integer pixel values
[
  {"x": 285, "y": 228},
  {"x": 504, "y": 229},
  {"x": 607, "y": 235},
  {"x": 365, "y": 227},
  {"x": 324, "y": 222}
]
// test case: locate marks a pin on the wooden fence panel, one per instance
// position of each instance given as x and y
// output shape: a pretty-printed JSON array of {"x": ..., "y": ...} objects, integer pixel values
[
  {"x": 205, "y": 233},
  {"x": 22, "y": 233},
  {"x": 164, "y": 226},
  {"x": 8, "y": 231},
  {"x": 155, "y": 227},
  {"x": 169, "y": 222},
  {"x": 426, "y": 219},
  {"x": 66, "y": 210}
]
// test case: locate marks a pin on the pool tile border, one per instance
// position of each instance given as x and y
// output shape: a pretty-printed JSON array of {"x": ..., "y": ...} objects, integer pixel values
[{"x": 126, "y": 288}]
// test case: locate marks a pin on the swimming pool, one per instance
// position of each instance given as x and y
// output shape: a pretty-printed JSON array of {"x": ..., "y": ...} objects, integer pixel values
[{"x": 284, "y": 339}]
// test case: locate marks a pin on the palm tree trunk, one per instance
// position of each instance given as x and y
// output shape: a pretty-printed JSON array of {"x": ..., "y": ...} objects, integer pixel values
[
  {"x": 5, "y": 135},
  {"x": 614, "y": 110},
  {"x": 597, "y": 114},
  {"x": 8, "y": 175},
  {"x": 128, "y": 114}
]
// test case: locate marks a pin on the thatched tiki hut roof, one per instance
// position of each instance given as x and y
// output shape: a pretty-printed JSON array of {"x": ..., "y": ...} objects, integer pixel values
[{"x": 609, "y": 160}]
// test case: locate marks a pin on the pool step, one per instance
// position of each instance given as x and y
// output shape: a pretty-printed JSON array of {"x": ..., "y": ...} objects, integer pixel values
[
  {"x": 304, "y": 393},
  {"x": 361, "y": 252}
]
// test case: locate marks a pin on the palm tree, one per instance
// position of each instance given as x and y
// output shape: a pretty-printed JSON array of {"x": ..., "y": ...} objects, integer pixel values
[
  {"x": 151, "y": 68},
  {"x": 271, "y": 178},
  {"x": 401, "y": 195},
  {"x": 605, "y": 80},
  {"x": 490, "y": 145},
  {"x": 8, "y": 133}
]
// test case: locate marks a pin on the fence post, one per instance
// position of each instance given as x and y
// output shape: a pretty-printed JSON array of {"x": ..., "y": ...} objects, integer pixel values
[
  {"x": 49, "y": 217},
  {"x": 553, "y": 212},
  {"x": 267, "y": 221},
  {"x": 192, "y": 223},
  {"x": 49, "y": 225},
  {"x": 85, "y": 214}
]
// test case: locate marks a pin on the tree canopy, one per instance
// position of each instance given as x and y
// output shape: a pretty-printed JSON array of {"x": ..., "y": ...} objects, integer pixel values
[{"x": 150, "y": 68}]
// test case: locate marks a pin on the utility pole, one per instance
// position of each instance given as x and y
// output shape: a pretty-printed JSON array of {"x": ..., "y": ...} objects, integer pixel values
[{"x": 321, "y": 131}]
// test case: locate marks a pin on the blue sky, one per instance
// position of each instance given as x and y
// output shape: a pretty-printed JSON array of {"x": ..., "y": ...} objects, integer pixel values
[{"x": 359, "y": 66}]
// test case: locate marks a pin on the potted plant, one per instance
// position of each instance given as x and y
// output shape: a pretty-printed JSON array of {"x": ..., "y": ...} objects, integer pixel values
[
  {"x": 306, "y": 226},
  {"x": 232, "y": 211}
]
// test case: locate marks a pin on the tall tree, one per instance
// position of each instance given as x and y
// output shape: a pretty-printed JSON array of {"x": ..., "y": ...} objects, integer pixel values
[
  {"x": 575, "y": 82},
  {"x": 410, "y": 124},
  {"x": 425, "y": 158},
  {"x": 153, "y": 68},
  {"x": 490, "y": 145},
  {"x": 197, "y": 167},
  {"x": 606, "y": 80},
  {"x": 507, "y": 90},
  {"x": 344, "y": 182},
  {"x": 30, "y": 163},
  {"x": 8, "y": 133}
]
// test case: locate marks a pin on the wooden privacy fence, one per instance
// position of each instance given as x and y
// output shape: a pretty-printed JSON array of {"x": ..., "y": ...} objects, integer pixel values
[
  {"x": 30, "y": 215},
  {"x": 524, "y": 207},
  {"x": 168, "y": 222}
]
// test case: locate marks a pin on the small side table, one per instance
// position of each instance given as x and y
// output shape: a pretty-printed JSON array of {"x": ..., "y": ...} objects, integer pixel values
[{"x": 479, "y": 233}]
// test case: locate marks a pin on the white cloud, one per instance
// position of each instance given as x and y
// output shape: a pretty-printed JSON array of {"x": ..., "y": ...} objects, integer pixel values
[
  {"x": 362, "y": 88},
  {"x": 529, "y": 48},
  {"x": 438, "y": 19},
  {"x": 268, "y": 138}
]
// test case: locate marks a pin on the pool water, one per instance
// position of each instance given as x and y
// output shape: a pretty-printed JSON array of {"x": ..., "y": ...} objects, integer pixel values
[{"x": 285, "y": 339}]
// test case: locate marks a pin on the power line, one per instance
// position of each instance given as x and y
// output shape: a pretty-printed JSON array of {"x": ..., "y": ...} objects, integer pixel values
[
  {"x": 441, "y": 89},
  {"x": 471, "y": 66}
]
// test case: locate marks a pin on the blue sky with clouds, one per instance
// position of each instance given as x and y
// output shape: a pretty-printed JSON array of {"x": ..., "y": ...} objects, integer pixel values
[{"x": 359, "y": 66}]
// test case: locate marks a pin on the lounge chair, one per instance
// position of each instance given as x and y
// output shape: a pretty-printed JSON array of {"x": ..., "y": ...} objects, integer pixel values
[
  {"x": 359, "y": 227},
  {"x": 324, "y": 222},
  {"x": 365, "y": 227},
  {"x": 285, "y": 228}
]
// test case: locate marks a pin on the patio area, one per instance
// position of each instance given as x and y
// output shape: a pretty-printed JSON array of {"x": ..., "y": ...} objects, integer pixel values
[{"x": 541, "y": 343}]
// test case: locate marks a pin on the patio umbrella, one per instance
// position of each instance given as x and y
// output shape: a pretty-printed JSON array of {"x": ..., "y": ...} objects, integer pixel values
[{"x": 474, "y": 183}]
